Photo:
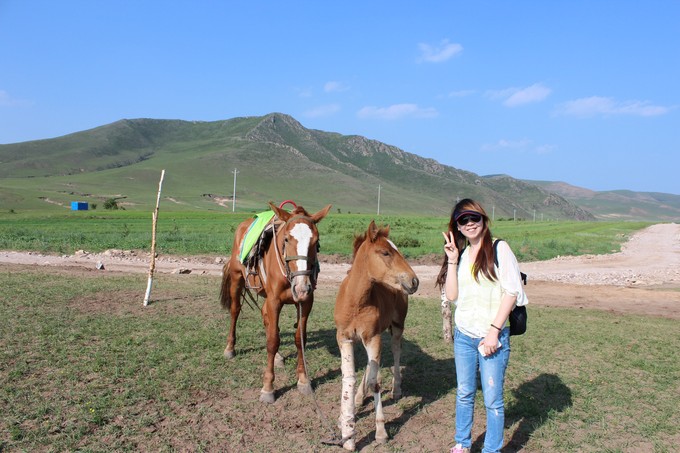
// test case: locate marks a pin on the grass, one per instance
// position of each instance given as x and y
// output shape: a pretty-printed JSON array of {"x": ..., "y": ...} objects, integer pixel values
[
  {"x": 83, "y": 366},
  {"x": 197, "y": 233}
]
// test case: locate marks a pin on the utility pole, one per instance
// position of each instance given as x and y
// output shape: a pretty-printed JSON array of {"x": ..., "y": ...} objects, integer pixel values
[
  {"x": 233, "y": 199},
  {"x": 378, "y": 199}
]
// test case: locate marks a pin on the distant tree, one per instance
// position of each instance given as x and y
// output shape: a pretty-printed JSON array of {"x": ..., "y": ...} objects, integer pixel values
[{"x": 111, "y": 203}]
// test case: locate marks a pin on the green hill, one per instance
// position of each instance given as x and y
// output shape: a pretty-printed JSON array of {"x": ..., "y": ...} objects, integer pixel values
[
  {"x": 275, "y": 158},
  {"x": 619, "y": 204}
]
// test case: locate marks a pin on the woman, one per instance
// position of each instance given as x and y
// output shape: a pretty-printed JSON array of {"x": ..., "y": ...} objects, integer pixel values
[{"x": 483, "y": 295}]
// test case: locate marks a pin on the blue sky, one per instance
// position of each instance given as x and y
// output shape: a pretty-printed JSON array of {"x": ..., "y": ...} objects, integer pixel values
[{"x": 585, "y": 92}]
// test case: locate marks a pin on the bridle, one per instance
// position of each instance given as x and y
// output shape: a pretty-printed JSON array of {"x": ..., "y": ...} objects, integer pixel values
[{"x": 283, "y": 259}]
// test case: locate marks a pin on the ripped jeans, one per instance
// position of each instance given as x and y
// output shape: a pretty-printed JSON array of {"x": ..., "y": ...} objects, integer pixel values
[{"x": 492, "y": 372}]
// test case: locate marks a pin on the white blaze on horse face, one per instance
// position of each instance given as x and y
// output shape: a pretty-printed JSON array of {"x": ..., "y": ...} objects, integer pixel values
[
  {"x": 393, "y": 246},
  {"x": 303, "y": 234}
]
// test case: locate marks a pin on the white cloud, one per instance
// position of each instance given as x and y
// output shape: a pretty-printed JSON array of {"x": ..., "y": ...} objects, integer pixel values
[
  {"x": 438, "y": 54},
  {"x": 507, "y": 144},
  {"x": 8, "y": 101},
  {"x": 461, "y": 93},
  {"x": 334, "y": 87},
  {"x": 498, "y": 95},
  {"x": 519, "y": 146},
  {"x": 322, "y": 110},
  {"x": 534, "y": 93},
  {"x": 545, "y": 149},
  {"x": 598, "y": 105},
  {"x": 513, "y": 97},
  {"x": 304, "y": 92},
  {"x": 396, "y": 111}
]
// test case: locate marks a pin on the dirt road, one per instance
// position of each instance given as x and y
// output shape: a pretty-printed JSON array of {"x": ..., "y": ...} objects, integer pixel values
[{"x": 643, "y": 278}]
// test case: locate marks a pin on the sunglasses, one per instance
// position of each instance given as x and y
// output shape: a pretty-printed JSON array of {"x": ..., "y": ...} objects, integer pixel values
[{"x": 467, "y": 218}]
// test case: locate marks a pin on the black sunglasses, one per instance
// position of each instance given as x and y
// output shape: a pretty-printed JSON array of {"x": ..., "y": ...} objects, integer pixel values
[{"x": 465, "y": 219}]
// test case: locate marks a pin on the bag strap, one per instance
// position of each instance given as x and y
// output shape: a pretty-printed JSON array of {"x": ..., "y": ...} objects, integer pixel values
[
  {"x": 495, "y": 249},
  {"x": 522, "y": 275}
]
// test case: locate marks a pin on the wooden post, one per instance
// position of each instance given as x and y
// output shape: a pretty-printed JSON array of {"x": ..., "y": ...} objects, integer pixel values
[
  {"x": 447, "y": 327},
  {"x": 152, "y": 267}
]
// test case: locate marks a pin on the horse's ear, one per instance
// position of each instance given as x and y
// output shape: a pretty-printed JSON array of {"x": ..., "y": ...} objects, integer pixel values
[
  {"x": 316, "y": 218},
  {"x": 372, "y": 231},
  {"x": 282, "y": 214}
]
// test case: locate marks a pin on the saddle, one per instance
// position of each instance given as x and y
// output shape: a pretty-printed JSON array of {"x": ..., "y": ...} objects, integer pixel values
[{"x": 255, "y": 242}]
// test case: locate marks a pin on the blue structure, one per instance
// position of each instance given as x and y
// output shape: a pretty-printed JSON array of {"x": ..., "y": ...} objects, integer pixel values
[{"x": 79, "y": 206}]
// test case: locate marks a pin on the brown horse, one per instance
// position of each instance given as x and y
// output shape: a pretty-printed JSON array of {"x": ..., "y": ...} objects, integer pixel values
[
  {"x": 286, "y": 274},
  {"x": 372, "y": 297}
]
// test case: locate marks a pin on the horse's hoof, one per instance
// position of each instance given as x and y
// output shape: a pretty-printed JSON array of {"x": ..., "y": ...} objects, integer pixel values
[
  {"x": 278, "y": 360},
  {"x": 266, "y": 397},
  {"x": 229, "y": 354},
  {"x": 305, "y": 389},
  {"x": 349, "y": 445},
  {"x": 381, "y": 438}
]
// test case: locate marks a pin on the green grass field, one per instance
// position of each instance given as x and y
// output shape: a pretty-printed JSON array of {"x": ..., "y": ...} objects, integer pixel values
[
  {"x": 211, "y": 233},
  {"x": 84, "y": 367}
]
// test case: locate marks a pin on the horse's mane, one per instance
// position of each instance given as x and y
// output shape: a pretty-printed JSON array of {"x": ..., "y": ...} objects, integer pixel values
[
  {"x": 299, "y": 210},
  {"x": 361, "y": 238},
  {"x": 358, "y": 240}
]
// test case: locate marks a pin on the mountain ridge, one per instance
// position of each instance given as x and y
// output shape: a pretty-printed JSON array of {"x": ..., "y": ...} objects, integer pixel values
[{"x": 271, "y": 155}]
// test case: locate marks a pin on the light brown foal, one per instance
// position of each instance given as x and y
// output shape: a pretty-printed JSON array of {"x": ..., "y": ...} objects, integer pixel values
[{"x": 372, "y": 298}]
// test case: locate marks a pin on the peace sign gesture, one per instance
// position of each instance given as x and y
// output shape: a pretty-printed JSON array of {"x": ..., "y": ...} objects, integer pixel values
[{"x": 450, "y": 247}]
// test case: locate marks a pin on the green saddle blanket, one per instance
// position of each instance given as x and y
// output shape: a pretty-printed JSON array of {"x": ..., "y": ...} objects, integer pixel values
[{"x": 253, "y": 234}]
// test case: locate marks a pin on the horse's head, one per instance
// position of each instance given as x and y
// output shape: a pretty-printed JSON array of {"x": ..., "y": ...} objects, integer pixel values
[
  {"x": 382, "y": 260},
  {"x": 298, "y": 239}
]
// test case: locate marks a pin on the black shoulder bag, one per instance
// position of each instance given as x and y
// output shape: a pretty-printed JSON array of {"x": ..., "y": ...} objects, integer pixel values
[{"x": 518, "y": 315}]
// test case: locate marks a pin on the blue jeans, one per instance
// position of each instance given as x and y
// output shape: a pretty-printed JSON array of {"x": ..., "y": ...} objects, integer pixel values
[{"x": 492, "y": 372}]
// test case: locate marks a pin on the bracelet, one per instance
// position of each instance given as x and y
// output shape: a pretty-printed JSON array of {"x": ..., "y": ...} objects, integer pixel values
[
  {"x": 496, "y": 328},
  {"x": 451, "y": 262}
]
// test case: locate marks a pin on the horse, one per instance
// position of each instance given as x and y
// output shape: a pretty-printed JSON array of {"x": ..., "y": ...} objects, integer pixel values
[
  {"x": 286, "y": 274},
  {"x": 372, "y": 297}
]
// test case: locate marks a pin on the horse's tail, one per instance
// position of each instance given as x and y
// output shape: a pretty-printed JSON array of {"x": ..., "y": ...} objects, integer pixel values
[{"x": 225, "y": 290}]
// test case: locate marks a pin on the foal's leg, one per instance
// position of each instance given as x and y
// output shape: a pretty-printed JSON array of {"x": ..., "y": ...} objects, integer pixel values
[
  {"x": 304, "y": 308},
  {"x": 362, "y": 388},
  {"x": 373, "y": 352},
  {"x": 346, "y": 419},
  {"x": 271, "y": 309},
  {"x": 397, "y": 333}
]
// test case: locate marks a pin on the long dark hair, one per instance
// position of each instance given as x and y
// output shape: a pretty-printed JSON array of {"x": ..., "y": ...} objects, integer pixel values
[{"x": 484, "y": 262}]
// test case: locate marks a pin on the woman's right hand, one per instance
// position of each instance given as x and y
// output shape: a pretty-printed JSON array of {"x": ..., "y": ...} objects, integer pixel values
[{"x": 450, "y": 247}]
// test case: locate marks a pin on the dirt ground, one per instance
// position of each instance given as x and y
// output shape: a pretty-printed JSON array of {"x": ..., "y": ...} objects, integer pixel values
[{"x": 643, "y": 278}]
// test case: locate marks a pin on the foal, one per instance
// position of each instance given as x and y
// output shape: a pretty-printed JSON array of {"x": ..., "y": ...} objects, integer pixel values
[{"x": 372, "y": 298}]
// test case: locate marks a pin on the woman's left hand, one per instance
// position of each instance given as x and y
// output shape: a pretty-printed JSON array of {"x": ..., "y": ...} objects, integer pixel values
[{"x": 490, "y": 344}]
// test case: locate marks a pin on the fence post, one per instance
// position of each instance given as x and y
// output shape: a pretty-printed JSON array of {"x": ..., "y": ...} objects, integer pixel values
[{"x": 152, "y": 266}]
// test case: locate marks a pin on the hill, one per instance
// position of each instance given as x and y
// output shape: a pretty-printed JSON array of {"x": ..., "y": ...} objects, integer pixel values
[
  {"x": 272, "y": 157},
  {"x": 618, "y": 204}
]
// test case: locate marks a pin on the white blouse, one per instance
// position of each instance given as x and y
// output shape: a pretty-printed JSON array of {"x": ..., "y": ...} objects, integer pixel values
[{"x": 478, "y": 302}]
